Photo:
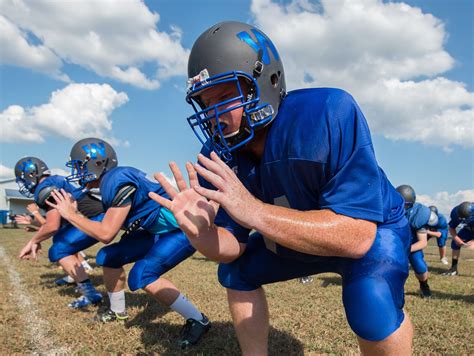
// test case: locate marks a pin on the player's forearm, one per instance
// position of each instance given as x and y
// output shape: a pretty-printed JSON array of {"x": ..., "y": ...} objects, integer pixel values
[
  {"x": 95, "y": 229},
  {"x": 218, "y": 245},
  {"x": 38, "y": 217},
  {"x": 419, "y": 245},
  {"x": 452, "y": 232},
  {"x": 321, "y": 232},
  {"x": 44, "y": 233},
  {"x": 434, "y": 233}
]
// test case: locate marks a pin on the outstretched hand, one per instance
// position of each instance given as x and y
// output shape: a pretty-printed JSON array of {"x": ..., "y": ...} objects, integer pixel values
[
  {"x": 65, "y": 204},
  {"x": 30, "y": 251},
  {"x": 194, "y": 213},
  {"x": 231, "y": 194}
]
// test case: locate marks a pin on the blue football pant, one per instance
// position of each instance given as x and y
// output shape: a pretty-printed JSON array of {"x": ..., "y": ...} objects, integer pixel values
[
  {"x": 69, "y": 240},
  {"x": 372, "y": 291},
  {"x": 153, "y": 255}
]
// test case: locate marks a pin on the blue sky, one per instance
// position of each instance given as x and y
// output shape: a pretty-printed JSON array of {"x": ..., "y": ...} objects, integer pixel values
[{"x": 119, "y": 72}]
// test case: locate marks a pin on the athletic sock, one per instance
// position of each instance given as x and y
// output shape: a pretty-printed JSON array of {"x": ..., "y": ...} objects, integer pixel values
[
  {"x": 86, "y": 265},
  {"x": 117, "y": 301},
  {"x": 185, "y": 308},
  {"x": 454, "y": 263},
  {"x": 87, "y": 289}
]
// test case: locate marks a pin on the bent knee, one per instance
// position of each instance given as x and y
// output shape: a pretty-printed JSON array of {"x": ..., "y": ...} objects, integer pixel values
[
  {"x": 143, "y": 274},
  {"x": 109, "y": 257},
  {"x": 373, "y": 311}
]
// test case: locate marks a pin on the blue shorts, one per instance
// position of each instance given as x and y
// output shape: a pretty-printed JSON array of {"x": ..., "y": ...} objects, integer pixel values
[
  {"x": 464, "y": 234},
  {"x": 153, "y": 255},
  {"x": 417, "y": 261},
  {"x": 372, "y": 289},
  {"x": 69, "y": 240}
]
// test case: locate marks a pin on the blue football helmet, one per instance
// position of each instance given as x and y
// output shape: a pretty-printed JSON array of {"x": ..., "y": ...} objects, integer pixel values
[
  {"x": 90, "y": 158},
  {"x": 233, "y": 52},
  {"x": 28, "y": 172},
  {"x": 465, "y": 210},
  {"x": 408, "y": 194}
]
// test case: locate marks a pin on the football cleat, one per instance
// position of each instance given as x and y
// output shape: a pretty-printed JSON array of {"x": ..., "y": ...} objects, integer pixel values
[
  {"x": 444, "y": 261},
  {"x": 192, "y": 331},
  {"x": 306, "y": 280},
  {"x": 108, "y": 315},
  {"x": 83, "y": 301},
  {"x": 425, "y": 290},
  {"x": 64, "y": 281},
  {"x": 451, "y": 272}
]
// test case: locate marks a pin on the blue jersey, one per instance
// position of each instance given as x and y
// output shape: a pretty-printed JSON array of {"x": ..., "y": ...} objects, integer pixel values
[
  {"x": 418, "y": 216},
  {"x": 456, "y": 220},
  {"x": 87, "y": 204},
  {"x": 442, "y": 225},
  {"x": 318, "y": 155},
  {"x": 143, "y": 207}
]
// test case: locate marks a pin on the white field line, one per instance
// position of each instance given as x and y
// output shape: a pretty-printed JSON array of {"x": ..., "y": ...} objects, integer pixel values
[{"x": 38, "y": 328}]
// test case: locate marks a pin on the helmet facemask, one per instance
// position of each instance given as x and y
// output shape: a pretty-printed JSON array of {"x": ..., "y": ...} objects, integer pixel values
[{"x": 206, "y": 123}]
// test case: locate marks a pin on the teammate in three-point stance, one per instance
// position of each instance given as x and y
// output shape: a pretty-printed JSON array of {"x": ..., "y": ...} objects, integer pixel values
[
  {"x": 298, "y": 168},
  {"x": 440, "y": 231},
  {"x": 35, "y": 179},
  {"x": 152, "y": 239},
  {"x": 420, "y": 219},
  {"x": 462, "y": 217}
]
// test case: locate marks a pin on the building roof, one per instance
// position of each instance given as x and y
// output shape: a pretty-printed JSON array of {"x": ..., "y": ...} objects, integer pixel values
[{"x": 15, "y": 194}]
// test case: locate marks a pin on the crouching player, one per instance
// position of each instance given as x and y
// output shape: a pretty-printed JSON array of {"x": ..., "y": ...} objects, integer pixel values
[
  {"x": 152, "y": 238},
  {"x": 35, "y": 179},
  {"x": 420, "y": 218},
  {"x": 462, "y": 215},
  {"x": 440, "y": 231}
]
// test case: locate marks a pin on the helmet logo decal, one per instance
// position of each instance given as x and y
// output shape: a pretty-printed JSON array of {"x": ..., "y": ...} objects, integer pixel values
[
  {"x": 92, "y": 150},
  {"x": 28, "y": 166},
  {"x": 260, "y": 45}
]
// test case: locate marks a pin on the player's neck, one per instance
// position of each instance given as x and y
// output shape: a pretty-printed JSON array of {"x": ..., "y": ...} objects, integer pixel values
[{"x": 256, "y": 147}]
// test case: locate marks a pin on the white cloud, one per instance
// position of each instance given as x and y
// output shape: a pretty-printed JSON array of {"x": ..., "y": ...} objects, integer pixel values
[
  {"x": 74, "y": 112},
  {"x": 113, "y": 41},
  {"x": 444, "y": 201},
  {"x": 390, "y": 56},
  {"x": 6, "y": 172}
]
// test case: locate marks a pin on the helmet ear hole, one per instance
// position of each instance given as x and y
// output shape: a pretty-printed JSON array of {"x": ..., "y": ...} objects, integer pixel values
[{"x": 275, "y": 79}]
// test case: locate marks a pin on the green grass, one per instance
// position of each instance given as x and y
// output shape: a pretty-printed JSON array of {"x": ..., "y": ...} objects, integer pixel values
[{"x": 305, "y": 319}]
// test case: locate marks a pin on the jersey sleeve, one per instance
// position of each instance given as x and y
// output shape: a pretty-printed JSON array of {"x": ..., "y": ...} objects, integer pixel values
[
  {"x": 124, "y": 195},
  {"x": 454, "y": 219},
  {"x": 44, "y": 195},
  {"x": 354, "y": 187},
  {"x": 118, "y": 187}
]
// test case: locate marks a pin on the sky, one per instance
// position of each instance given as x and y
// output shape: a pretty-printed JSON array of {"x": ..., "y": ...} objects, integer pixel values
[{"x": 117, "y": 70}]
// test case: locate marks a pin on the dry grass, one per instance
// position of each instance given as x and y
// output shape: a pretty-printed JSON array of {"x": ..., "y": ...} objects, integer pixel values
[{"x": 305, "y": 319}]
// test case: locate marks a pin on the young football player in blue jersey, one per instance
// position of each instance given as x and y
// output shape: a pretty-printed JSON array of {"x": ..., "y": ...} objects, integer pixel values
[
  {"x": 152, "y": 239},
  {"x": 35, "y": 180},
  {"x": 299, "y": 169},
  {"x": 420, "y": 219},
  {"x": 462, "y": 217},
  {"x": 440, "y": 231}
]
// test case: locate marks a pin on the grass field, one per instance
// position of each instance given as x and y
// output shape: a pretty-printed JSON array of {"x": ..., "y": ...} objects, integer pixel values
[{"x": 305, "y": 319}]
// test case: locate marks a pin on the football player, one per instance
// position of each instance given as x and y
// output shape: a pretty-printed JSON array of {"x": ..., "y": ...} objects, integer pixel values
[
  {"x": 152, "y": 240},
  {"x": 440, "y": 231},
  {"x": 462, "y": 217},
  {"x": 420, "y": 219},
  {"x": 299, "y": 169},
  {"x": 35, "y": 180}
]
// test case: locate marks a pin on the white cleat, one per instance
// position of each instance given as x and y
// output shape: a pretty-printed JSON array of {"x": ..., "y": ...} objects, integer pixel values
[{"x": 444, "y": 261}]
